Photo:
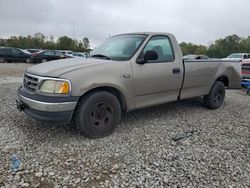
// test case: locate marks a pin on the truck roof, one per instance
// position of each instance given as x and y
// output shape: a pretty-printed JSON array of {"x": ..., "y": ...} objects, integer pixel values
[{"x": 146, "y": 33}]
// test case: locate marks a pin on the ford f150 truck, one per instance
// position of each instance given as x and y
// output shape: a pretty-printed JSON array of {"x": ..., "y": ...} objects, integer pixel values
[{"x": 126, "y": 72}]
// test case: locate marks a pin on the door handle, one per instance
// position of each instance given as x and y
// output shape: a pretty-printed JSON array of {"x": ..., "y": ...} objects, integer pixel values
[{"x": 176, "y": 70}]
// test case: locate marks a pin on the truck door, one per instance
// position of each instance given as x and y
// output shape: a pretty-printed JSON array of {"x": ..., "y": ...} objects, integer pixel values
[{"x": 157, "y": 81}]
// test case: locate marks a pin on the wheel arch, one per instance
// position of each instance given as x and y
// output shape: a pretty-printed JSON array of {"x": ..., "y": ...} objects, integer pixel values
[
  {"x": 224, "y": 79},
  {"x": 116, "y": 92}
]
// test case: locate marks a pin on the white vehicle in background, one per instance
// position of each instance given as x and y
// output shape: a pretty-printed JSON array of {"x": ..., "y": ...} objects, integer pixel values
[
  {"x": 79, "y": 54},
  {"x": 237, "y": 57},
  {"x": 67, "y": 53},
  {"x": 193, "y": 57},
  {"x": 33, "y": 50},
  {"x": 25, "y": 51}
]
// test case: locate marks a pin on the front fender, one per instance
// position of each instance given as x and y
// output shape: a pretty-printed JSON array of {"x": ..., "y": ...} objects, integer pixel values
[{"x": 108, "y": 75}]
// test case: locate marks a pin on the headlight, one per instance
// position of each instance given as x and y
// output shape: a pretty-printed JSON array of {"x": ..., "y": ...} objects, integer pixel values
[{"x": 55, "y": 86}]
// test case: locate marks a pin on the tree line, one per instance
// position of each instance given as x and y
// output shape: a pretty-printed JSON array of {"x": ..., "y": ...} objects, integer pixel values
[
  {"x": 40, "y": 41},
  {"x": 220, "y": 48}
]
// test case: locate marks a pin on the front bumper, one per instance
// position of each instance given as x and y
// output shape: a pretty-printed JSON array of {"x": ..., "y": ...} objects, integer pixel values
[{"x": 46, "y": 108}]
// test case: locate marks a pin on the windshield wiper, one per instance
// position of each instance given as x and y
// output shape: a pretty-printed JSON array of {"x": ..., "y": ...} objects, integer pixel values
[{"x": 101, "y": 56}]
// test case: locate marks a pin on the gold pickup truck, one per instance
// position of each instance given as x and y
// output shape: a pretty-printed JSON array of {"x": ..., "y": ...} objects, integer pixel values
[{"x": 126, "y": 72}]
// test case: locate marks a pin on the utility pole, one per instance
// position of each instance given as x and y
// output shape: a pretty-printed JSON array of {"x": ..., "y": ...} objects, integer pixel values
[{"x": 73, "y": 30}]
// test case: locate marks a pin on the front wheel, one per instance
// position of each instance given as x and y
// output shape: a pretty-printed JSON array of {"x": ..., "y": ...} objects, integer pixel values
[
  {"x": 98, "y": 114},
  {"x": 216, "y": 96}
]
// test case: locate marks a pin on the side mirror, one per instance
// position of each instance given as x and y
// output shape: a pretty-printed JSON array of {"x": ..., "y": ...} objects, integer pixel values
[{"x": 148, "y": 56}]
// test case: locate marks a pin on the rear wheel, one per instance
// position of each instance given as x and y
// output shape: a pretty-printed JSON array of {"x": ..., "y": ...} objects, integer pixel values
[
  {"x": 98, "y": 114},
  {"x": 216, "y": 96}
]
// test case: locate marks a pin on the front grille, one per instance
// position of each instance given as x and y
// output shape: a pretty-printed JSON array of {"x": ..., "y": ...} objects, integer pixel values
[
  {"x": 245, "y": 67},
  {"x": 30, "y": 83}
]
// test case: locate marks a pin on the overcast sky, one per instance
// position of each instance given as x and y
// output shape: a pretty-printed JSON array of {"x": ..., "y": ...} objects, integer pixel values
[{"x": 197, "y": 21}]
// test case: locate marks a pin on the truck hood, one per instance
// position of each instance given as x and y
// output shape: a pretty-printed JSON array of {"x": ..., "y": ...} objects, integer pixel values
[{"x": 59, "y": 67}]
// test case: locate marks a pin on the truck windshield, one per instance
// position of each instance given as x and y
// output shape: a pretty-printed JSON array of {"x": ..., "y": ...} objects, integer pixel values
[{"x": 121, "y": 47}]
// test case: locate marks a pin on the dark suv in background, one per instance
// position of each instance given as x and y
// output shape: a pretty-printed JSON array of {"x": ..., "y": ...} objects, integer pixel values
[{"x": 14, "y": 55}]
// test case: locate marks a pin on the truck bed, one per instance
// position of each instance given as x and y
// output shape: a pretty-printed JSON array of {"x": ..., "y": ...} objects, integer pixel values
[{"x": 200, "y": 74}]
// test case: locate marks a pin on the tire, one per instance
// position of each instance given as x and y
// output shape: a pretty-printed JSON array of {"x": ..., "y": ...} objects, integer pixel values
[
  {"x": 248, "y": 91},
  {"x": 44, "y": 60},
  {"x": 97, "y": 114},
  {"x": 2, "y": 60},
  {"x": 216, "y": 96},
  {"x": 28, "y": 60}
]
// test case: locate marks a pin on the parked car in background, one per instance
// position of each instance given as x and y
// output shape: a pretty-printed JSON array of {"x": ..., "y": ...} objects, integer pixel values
[
  {"x": 34, "y": 50},
  {"x": 78, "y": 54},
  {"x": 46, "y": 55},
  {"x": 67, "y": 53},
  {"x": 245, "y": 69},
  {"x": 237, "y": 57},
  {"x": 14, "y": 55},
  {"x": 193, "y": 57}
]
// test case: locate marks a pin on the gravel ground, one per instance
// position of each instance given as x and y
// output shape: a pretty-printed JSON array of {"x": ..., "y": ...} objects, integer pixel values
[
  {"x": 13, "y": 69},
  {"x": 140, "y": 153}
]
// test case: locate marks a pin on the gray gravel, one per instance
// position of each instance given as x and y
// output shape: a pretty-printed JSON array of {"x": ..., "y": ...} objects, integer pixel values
[
  {"x": 13, "y": 69},
  {"x": 140, "y": 153}
]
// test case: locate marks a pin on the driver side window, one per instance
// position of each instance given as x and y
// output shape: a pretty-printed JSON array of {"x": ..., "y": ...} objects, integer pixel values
[{"x": 162, "y": 46}]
